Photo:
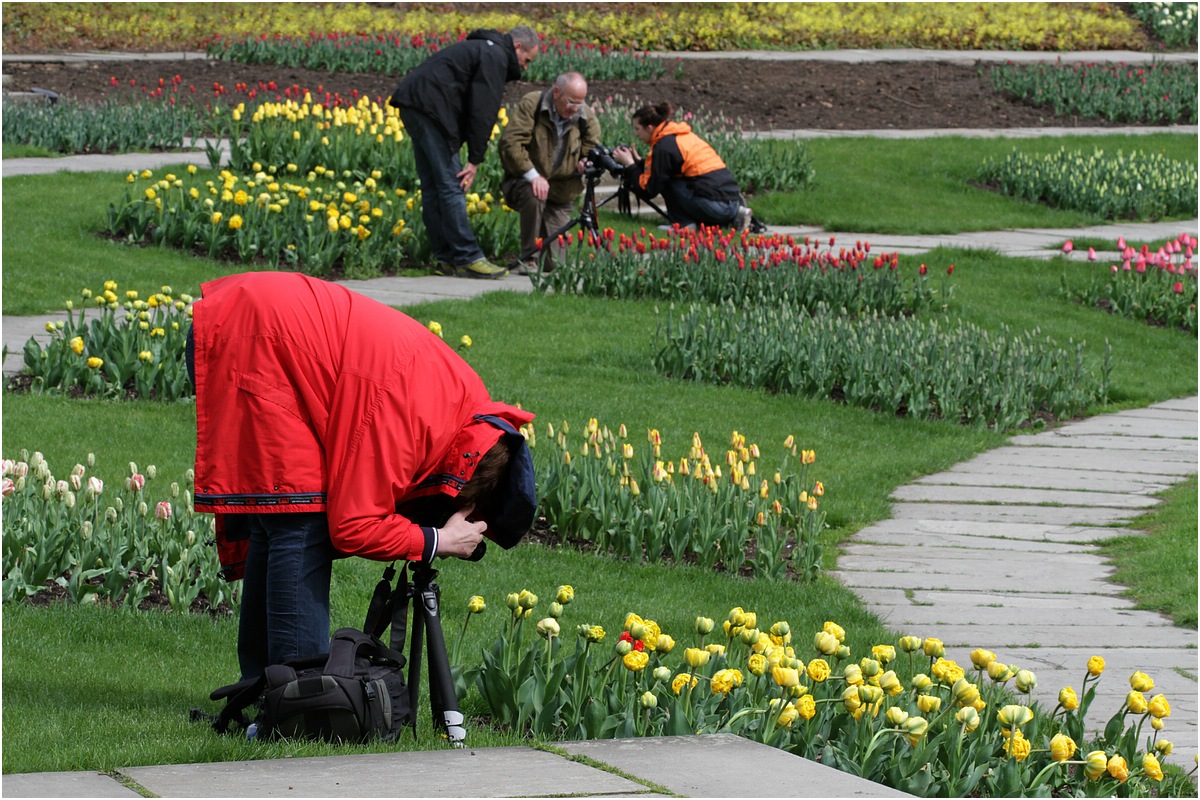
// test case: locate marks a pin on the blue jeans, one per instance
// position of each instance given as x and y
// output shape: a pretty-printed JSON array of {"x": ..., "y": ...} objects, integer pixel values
[
  {"x": 443, "y": 202},
  {"x": 285, "y": 591},
  {"x": 686, "y": 208}
]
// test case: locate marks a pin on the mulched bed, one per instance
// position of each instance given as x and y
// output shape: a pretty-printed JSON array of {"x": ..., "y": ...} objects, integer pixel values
[{"x": 762, "y": 94}]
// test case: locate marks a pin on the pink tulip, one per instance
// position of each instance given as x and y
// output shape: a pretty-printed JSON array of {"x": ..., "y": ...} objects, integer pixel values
[
  {"x": 163, "y": 510},
  {"x": 135, "y": 482},
  {"x": 1114, "y": 269},
  {"x": 1178, "y": 287},
  {"x": 1120, "y": 242},
  {"x": 1069, "y": 246},
  {"x": 1091, "y": 254},
  {"x": 1126, "y": 265},
  {"x": 7, "y": 487}
]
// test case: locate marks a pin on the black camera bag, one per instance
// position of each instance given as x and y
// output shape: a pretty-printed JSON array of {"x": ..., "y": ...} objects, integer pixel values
[{"x": 356, "y": 694}]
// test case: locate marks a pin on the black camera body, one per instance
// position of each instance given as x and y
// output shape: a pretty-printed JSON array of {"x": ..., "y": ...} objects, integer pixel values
[{"x": 600, "y": 160}]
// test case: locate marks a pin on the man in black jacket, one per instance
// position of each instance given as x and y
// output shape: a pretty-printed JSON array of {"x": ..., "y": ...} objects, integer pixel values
[{"x": 452, "y": 98}]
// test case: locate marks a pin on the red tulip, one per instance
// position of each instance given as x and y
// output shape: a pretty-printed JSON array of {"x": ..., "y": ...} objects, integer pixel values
[{"x": 1178, "y": 287}]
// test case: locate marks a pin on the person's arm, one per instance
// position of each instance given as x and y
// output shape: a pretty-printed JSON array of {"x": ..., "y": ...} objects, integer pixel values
[
  {"x": 483, "y": 99},
  {"x": 664, "y": 166},
  {"x": 514, "y": 145}
]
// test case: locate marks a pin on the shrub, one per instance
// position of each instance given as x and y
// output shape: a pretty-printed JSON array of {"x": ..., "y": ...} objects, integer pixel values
[
  {"x": 1134, "y": 186},
  {"x": 1161, "y": 94},
  {"x": 916, "y": 368}
]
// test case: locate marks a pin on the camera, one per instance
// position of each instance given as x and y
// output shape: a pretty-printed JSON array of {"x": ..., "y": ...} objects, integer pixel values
[{"x": 600, "y": 160}]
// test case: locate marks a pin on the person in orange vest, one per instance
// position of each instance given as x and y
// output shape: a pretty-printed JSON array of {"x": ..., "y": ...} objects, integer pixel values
[{"x": 693, "y": 180}]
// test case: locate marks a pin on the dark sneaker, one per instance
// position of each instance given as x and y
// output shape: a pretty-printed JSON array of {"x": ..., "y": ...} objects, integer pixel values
[
  {"x": 742, "y": 219},
  {"x": 444, "y": 268},
  {"x": 483, "y": 269}
]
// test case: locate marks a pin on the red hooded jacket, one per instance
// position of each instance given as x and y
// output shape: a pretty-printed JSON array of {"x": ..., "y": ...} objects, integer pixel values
[{"x": 310, "y": 397}]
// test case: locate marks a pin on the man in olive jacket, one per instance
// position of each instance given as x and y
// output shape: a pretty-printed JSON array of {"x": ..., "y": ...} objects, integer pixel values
[{"x": 542, "y": 151}]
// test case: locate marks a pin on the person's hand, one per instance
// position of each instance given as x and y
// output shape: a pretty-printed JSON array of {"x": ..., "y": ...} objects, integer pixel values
[
  {"x": 460, "y": 536},
  {"x": 467, "y": 176},
  {"x": 582, "y": 166},
  {"x": 624, "y": 155},
  {"x": 540, "y": 187}
]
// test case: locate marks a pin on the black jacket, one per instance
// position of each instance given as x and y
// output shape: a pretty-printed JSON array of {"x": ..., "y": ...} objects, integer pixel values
[{"x": 461, "y": 88}]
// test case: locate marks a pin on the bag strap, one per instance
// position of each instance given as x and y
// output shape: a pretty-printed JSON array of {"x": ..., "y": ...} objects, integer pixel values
[
  {"x": 238, "y": 696},
  {"x": 350, "y": 644}
]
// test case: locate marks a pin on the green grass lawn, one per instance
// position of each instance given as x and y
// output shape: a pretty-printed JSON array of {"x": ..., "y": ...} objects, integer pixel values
[{"x": 69, "y": 702}]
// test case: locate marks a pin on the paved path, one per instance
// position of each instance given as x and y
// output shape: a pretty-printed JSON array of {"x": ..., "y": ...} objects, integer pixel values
[
  {"x": 998, "y": 552},
  {"x": 1001, "y": 552}
]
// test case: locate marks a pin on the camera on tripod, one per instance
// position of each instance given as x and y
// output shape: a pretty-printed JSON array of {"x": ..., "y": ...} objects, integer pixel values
[{"x": 600, "y": 160}]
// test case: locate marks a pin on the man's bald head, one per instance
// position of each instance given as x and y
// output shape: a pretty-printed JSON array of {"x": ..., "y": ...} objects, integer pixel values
[{"x": 570, "y": 91}]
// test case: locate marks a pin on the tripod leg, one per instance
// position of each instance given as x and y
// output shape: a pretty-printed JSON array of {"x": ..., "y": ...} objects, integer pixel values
[{"x": 442, "y": 698}]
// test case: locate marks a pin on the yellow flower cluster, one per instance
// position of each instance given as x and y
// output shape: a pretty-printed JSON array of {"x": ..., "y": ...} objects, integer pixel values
[{"x": 1057, "y": 26}]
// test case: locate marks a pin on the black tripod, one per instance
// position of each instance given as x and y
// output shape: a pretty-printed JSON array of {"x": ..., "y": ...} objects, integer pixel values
[{"x": 390, "y": 607}]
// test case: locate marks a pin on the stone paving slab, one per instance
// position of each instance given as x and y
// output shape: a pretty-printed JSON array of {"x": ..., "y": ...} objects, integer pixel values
[
  {"x": 1018, "y": 632},
  {"x": 1019, "y": 458},
  {"x": 1109, "y": 442},
  {"x": 63, "y": 784},
  {"x": 967, "y": 581},
  {"x": 1025, "y": 600},
  {"x": 919, "y": 616},
  {"x": 1046, "y": 515},
  {"x": 1176, "y": 426},
  {"x": 940, "y": 559},
  {"x": 471, "y": 772},
  {"x": 1002, "y": 495},
  {"x": 1022, "y": 531},
  {"x": 935, "y": 545},
  {"x": 724, "y": 765},
  {"x": 971, "y": 474}
]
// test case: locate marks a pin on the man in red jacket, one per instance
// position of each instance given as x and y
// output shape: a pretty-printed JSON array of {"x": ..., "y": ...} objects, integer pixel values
[{"x": 328, "y": 425}]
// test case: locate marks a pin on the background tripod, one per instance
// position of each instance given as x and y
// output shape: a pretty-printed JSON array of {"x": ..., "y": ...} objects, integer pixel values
[{"x": 390, "y": 607}]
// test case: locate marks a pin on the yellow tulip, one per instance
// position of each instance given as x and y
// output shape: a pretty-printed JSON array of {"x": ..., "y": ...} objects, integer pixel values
[
  {"x": 1097, "y": 763},
  {"x": 1062, "y": 747},
  {"x": 1018, "y": 746},
  {"x": 77, "y": 345},
  {"x": 1014, "y": 716},
  {"x": 1159, "y": 707},
  {"x": 1118, "y": 768},
  {"x": 929, "y": 703},
  {"x": 1067, "y": 699},
  {"x": 818, "y": 670},
  {"x": 1136, "y": 702},
  {"x": 1095, "y": 666},
  {"x": 897, "y": 716},
  {"x": 681, "y": 680},
  {"x": 635, "y": 660},
  {"x": 806, "y": 707},
  {"x": 981, "y": 658},
  {"x": 934, "y": 648},
  {"x": 910, "y": 644},
  {"x": 1151, "y": 767},
  {"x": 695, "y": 657},
  {"x": 968, "y": 718},
  {"x": 1141, "y": 682}
]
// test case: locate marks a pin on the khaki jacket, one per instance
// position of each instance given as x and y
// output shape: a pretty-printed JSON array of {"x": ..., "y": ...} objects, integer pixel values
[{"x": 530, "y": 138}]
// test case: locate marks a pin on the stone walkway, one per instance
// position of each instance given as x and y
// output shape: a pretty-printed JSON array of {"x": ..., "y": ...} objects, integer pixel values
[{"x": 998, "y": 552}]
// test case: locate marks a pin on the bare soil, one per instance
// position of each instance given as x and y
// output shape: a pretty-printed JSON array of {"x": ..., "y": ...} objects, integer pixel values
[{"x": 763, "y": 95}]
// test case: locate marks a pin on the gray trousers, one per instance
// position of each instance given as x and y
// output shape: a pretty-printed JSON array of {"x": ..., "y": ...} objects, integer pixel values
[{"x": 539, "y": 219}]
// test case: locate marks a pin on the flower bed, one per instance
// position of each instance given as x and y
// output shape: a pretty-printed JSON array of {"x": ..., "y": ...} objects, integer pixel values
[
  {"x": 1135, "y": 185},
  {"x": 1161, "y": 94},
  {"x": 909, "y": 367},
  {"x": 98, "y": 544},
  {"x": 602, "y": 491},
  {"x": 1159, "y": 286},
  {"x": 715, "y": 266},
  {"x": 398, "y": 52},
  {"x": 134, "y": 353},
  {"x": 950, "y": 731}
]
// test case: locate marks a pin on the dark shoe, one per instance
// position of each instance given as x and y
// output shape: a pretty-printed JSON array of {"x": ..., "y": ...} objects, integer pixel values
[
  {"x": 483, "y": 269},
  {"x": 444, "y": 268}
]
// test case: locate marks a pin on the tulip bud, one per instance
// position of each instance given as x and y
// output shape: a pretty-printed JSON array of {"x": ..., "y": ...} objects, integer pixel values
[
  {"x": 897, "y": 716},
  {"x": 1026, "y": 681},
  {"x": 934, "y": 648},
  {"x": 476, "y": 605},
  {"x": 526, "y": 599},
  {"x": 843, "y": 652},
  {"x": 922, "y": 682},
  {"x": 704, "y": 625},
  {"x": 1014, "y": 716},
  {"x": 756, "y": 664},
  {"x": 910, "y": 644},
  {"x": 1095, "y": 666},
  {"x": 929, "y": 703},
  {"x": 665, "y": 644},
  {"x": 565, "y": 594},
  {"x": 968, "y": 718},
  {"x": 853, "y": 674},
  {"x": 512, "y": 600},
  {"x": 916, "y": 727},
  {"x": 1164, "y": 747},
  {"x": 869, "y": 694},
  {"x": 555, "y": 609},
  {"x": 825, "y": 643},
  {"x": 695, "y": 657},
  {"x": 1136, "y": 702},
  {"x": 1141, "y": 682},
  {"x": 623, "y": 647},
  {"x": 662, "y": 674},
  {"x": 548, "y": 628},
  {"x": 1097, "y": 763},
  {"x": 649, "y": 700},
  {"x": 1159, "y": 707},
  {"x": 981, "y": 658},
  {"x": 999, "y": 672},
  {"x": 964, "y": 693},
  {"x": 1067, "y": 698},
  {"x": 890, "y": 683}
]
